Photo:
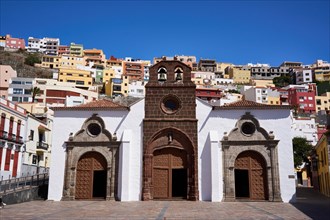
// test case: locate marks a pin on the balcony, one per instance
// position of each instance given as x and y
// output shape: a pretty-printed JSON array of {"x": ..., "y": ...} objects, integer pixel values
[
  {"x": 3, "y": 135},
  {"x": 19, "y": 139},
  {"x": 42, "y": 146},
  {"x": 11, "y": 137}
]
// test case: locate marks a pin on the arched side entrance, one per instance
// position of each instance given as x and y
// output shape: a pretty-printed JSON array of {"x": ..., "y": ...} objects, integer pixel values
[
  {"x": 251, "y": 176},
  {"x": 91, "y": 162},
  {"x": 170, "y": 173},
  {"x": 250, "y": 162},
  {"x": 91, "y": 177}
]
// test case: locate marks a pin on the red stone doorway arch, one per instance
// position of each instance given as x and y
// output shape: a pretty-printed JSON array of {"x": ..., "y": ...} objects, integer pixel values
[{"x": 170, "y": 156}]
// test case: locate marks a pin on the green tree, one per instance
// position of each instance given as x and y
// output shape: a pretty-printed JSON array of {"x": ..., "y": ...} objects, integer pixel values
[
  {"x": 35, "y": 91},
  {"x": 32, "y": 58},
  {"x": 282, "y": 81},
  {"x": 301, "y": 150}
]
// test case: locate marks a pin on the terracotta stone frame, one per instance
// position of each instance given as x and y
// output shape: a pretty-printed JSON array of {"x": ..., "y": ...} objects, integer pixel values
[
  {"x": 260, "y": 141},
  {"x": 160, "y": 140},
  {"x": 82, "y": 142}
]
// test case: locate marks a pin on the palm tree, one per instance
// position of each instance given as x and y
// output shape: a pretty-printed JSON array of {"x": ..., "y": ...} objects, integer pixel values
[{"x": 35, "y": 91}]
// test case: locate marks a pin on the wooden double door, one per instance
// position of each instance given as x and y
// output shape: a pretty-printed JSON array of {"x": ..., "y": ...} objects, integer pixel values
[
  {"x": 91, "y": 177},
  {"x": 251, "y": 176},
  {"x": 170, "y": 174}
]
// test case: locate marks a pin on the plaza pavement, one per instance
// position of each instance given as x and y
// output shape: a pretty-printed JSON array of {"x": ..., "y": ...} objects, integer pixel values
[{"x": 166, "y": 210}]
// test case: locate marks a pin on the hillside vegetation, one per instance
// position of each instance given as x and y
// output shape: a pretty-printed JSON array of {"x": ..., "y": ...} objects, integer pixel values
[{"x": 16, "y": 61}]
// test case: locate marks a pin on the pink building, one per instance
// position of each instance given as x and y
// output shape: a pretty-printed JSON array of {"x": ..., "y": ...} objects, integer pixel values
[
  {"x": 303, "y": 97},
  {"x": 6, "y": 73},
  {"x": 63, "y": 49},
  {"x": 14, "y": 43}
]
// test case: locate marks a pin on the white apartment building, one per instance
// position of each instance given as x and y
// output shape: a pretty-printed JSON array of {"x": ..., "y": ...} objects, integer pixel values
[
  {"x": 136, "y": 89},
  {"x": 37, "y": 152},
  {"x": 260, "y": 94},
  {"x": 304, "y": 127},
  {"x": 48, "y": 46},
  {"x": 20, "y": 89},
  {"x": 302, "y": 76},
  {"x": 55, "y": 93}
]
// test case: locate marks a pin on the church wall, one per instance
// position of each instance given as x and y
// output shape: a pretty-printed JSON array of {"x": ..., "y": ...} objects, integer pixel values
[{"x": 221, "y": 121}]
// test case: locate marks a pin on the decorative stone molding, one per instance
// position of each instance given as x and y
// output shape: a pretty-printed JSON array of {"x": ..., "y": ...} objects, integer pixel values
[
  {"x": 257, "y": 140},
  {"x": 84, "y": 141}
]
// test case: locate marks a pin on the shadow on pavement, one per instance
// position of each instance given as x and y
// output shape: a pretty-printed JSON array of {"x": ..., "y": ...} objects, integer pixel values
[{"x": 312, "y": 203}]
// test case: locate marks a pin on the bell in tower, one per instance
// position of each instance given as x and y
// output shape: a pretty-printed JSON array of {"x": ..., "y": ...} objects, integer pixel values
[
  {"x": 178, "y": 73},
  {"x": 162, "y": 74}
]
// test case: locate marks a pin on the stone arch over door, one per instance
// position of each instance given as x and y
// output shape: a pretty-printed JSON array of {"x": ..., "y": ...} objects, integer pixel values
[
  {"x": 92, "y": 139},
  {"x": 248, "y": 136},
  {"x": 168, "y": 151}
]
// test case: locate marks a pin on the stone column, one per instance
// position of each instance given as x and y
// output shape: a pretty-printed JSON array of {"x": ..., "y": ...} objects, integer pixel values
[
  {"x": 112, "y": 174},
  {"x": 275, "y": 174}
]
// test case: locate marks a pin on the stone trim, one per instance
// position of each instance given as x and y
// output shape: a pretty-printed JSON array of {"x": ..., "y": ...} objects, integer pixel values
[
  {"x": 261, "y": 142},
  {"x": 81, "y": 143}
]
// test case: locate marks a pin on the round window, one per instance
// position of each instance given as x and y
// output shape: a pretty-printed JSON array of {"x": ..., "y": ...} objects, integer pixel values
[
  {"x": 248, "y": 128},
  {"x": 170, "y": 105},
  {"x": 94, "y": 129}
]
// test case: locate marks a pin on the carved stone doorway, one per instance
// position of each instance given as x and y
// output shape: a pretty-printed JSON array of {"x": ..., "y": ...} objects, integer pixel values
[
  {"x": 91, "y": 179},
  {"x": 170, "y": 173},
  {"x": 251, "y": 176}
]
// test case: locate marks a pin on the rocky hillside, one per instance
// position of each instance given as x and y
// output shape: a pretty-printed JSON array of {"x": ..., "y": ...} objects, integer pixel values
[{"x": 16, "y": 61}]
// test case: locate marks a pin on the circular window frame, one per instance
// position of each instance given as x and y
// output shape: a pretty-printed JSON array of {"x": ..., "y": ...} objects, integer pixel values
[
  {"x": 248, "y": 128},
  {"x": 92, "y": 132},
  {"x": 168, "y": 100}
]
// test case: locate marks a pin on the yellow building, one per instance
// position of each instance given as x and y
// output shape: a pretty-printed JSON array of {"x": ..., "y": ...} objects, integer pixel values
[
  {"x": 322, "y": 73},
  {"x": 274, "y": 100},
  {"x": 108, "y": 74},
  {"x": 70, "y": 61},
  {"x": 238, "y": 75},
  {"x": 221, "y": 67},
  {"x": 117, "y": 86},
  {"x": 262, "y": 83},
  {"x": 322, "y": 149},
  {"x": 322, "y": 102},
  {"x": 51, "y": 62},
  {"x": 82, "y": 78}
]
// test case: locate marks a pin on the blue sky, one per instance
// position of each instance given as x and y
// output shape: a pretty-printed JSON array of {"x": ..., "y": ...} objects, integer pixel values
[{"x": 234, "y": 31}]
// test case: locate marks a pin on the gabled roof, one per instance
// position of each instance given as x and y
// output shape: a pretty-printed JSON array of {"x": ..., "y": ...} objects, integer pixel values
[
  {"x": 102, "y": 104},
  {"x": 245, "y": 104}
]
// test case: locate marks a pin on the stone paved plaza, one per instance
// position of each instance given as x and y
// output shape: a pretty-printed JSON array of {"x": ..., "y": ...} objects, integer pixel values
[
  {"x": 308, "y": 201},
  {"x": 150, "y": 210}
]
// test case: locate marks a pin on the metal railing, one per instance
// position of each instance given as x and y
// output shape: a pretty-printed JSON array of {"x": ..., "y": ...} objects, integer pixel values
[
  {"x": 42, "y": 145},
  {"x": 25, "y": 182}
]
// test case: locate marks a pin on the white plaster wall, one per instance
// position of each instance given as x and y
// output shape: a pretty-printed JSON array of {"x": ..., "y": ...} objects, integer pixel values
[
  {"x": 66, "y": 122},
  {"x": 222, "y": 121},
  {"x": 133, "y": 122}
]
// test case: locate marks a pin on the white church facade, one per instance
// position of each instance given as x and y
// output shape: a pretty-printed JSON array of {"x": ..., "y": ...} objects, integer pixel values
[{"x": 171, "y": 145}]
